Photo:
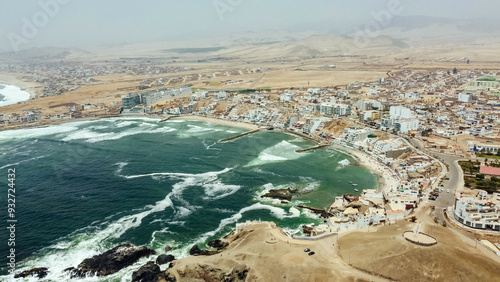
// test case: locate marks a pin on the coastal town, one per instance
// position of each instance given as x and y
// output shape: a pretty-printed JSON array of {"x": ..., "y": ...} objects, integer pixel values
[{"x": 399, "y": 125}]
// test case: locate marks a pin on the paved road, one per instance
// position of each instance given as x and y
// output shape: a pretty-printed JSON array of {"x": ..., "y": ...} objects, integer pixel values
[{"x": 454, "y": 176}]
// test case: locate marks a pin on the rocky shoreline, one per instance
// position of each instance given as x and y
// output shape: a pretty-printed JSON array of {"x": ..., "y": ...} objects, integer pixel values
[{"x": 123, "y": 256}]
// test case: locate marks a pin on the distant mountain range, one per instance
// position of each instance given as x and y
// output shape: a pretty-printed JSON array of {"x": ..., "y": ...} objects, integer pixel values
[{"x": 334, "y": 39}]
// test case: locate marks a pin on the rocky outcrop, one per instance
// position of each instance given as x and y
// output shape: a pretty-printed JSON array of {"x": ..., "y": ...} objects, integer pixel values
[
  {"x": 148, "y": 272},
  {"x": 196, "y": 251},
  {"x": 281, "y": 194},
  {"x": 321, "y": 212},
  {"x": 39, "y": 272},
  {"x": 217, "y": 244},
  {"x": 212, "y": 274},
  {"x": 162, "y": 259},
  {"x": 110, "y": 261}
]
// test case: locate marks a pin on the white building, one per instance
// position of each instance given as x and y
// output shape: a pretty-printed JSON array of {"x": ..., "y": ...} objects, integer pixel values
[
  {"x": 326, "y": 108},
  {"x": 383, "y": 146},
  {"x": 287, "y": 97},
  {"x": 400, "y": 112},
  {"x": 220, "y": 95},
  {"x": 352, "y": 134},
  {"x": 465, "y": 98},
  {"x": 406, "y": 125},
  {"x": 341, "y": 110},
  {"x": 477, "y": 214},
  {"x": 413, "y": 96}
]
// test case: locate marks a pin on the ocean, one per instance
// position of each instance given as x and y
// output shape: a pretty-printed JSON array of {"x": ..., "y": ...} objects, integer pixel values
[
  {"x": 10, "y": 94},
  {"x": 85, "y": 187}
]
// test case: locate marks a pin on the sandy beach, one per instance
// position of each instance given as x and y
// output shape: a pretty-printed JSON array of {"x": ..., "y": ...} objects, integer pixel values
[
  {"x": 386, "y": 178},
  {"x": 31, "y": 87},
  {"x": 244, "y": 125}
]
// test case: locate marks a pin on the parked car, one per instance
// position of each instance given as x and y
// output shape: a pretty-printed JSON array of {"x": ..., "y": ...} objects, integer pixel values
[{"x": 448, "y": 190}]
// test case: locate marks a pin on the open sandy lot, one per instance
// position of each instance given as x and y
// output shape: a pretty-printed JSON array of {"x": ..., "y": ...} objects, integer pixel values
[
  {"x": 272, "y": 256},
  {"x": 387, "y": 253}
]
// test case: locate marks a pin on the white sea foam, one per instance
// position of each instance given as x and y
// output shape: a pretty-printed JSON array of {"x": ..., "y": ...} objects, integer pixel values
[
  {"x": 259, "y": 170},
  {"x": 282, "y": 151},
  {"x": 86, "y": 243},
  {"x": 92, "y": 137},
  {"x": 275, "y": 211},
  {"x": 123, "y": 123},
  {"x": 291, "y": 231},
  {"x": 269, "y": 157},
  {"x": 120, "y": 165},
  {"x": 23, "y": 161},
  {"x": 182, "y": 212},
  {"x": 36, "y": 132},
  {"x": 311, "y": 184},
  {"x": 209, "y": 147},
  {"x": 344, "y": 163},
  {"x": 198, "y": 129},
  {"x": 218, "y": 190},
  {"x": 12, "y": 94}
]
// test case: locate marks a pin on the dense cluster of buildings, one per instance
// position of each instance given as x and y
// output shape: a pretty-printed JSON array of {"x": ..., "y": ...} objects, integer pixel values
[{"x": 63, "y": 76}]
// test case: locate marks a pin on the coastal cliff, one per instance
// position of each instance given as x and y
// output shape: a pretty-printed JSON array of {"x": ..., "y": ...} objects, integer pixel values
[{"x": 260, "y": 251}]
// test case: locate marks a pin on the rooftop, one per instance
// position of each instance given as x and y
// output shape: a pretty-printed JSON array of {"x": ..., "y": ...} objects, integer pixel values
[{"x": 490, "y": 170}]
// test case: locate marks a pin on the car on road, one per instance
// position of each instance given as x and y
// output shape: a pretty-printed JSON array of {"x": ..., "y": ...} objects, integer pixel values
[
  {"x": 447, "y": 178},
  {"x": 448, "y": 190}
]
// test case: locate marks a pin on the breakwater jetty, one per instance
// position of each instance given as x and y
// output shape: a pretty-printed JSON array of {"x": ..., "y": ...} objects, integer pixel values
[
  {"x": 312, "y": 148},
  {"x": 238, "y": 136},
  {"x": 165, "y": 119}
]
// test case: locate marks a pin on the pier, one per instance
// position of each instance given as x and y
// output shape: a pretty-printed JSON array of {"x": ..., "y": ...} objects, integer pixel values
[
  {"x": 312, "y": 148},
  {"x": 165, "y": 119},
  {"x": 238, "y": 136}
]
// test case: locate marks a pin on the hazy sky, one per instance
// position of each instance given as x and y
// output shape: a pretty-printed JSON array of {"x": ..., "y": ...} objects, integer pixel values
[{"x": 81, "y": 23}]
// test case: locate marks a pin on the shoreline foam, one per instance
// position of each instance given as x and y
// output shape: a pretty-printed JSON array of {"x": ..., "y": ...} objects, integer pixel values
[
  {"x": 12, "y": 94},
  {"x": 385, "y": 181}
]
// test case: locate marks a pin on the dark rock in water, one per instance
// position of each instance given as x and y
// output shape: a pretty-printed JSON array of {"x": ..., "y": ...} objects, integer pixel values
[
  {"x": 281, "y": 194},
  {"x": 307, "y": 229},
  {"x": 196, "y": 251},
  {"x": 320, "y": 212},
  {"x": 217, "y": 244},
  {"x": 162, "y": 259},
  {"x": 39, "y": 272},
  {"x": 76, "y": 273},
  {"x": 168, "y": 249},
  {"x": 110, "y": 261},
  {"x": 148, "y": 272}
]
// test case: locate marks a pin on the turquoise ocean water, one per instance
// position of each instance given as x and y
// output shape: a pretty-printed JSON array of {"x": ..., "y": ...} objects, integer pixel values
[{"x": 84, "y": 187}]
